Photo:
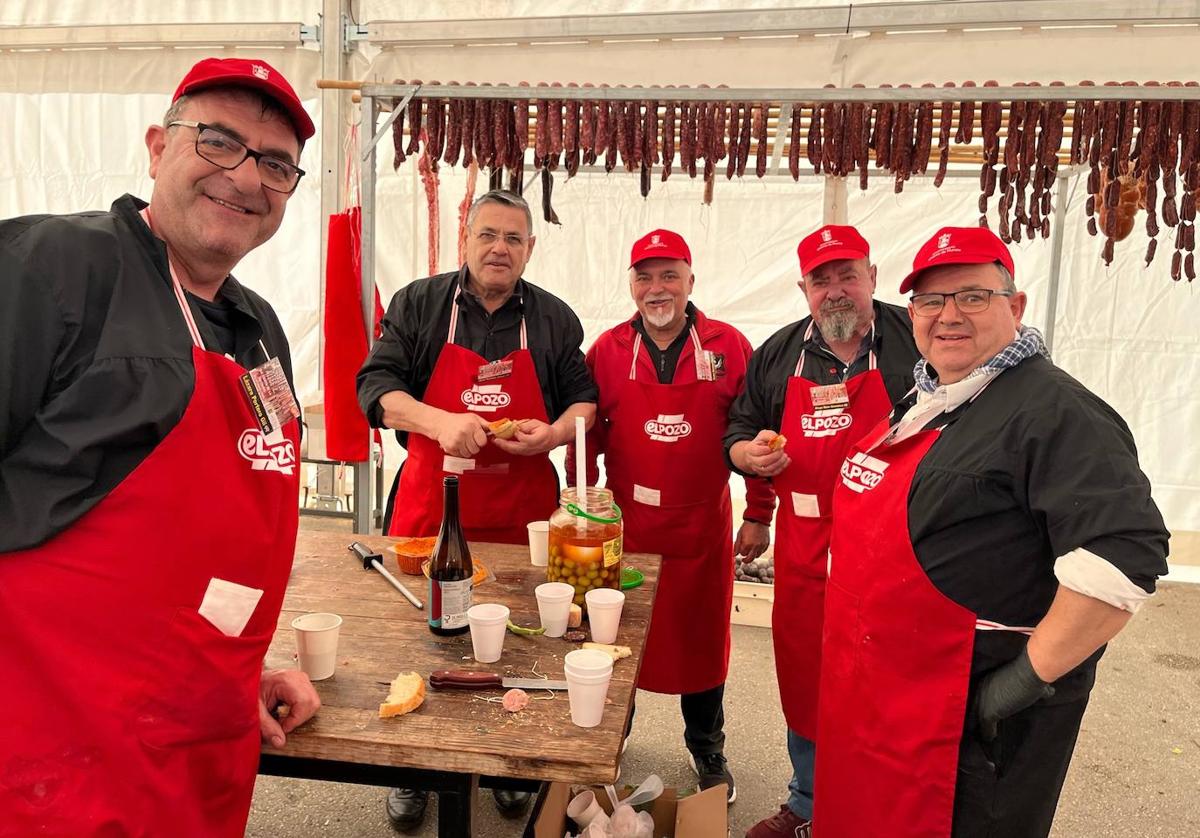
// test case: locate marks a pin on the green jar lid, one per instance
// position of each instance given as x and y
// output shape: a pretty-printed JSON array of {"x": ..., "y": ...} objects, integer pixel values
[{"x": 631, "y": 577}]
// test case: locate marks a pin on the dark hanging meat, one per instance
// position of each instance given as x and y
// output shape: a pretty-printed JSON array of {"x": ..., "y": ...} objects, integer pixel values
[
  {"x": 453, "y": 131},
  {"x": 760, "y": 139},
  {"x": 1189, "y": 267},
  {"x": 637, "y": 133},
  {"x": 601, "y": 139},
  {"x": 571, "y": 134},
  {"x": 397, "y": 138},
  {"x": 966, "y": 119},
  {"x": 468, "y": 132},
  {"x": 793, "y": 142},
  {"x": 1107, "y": 253},
  {"x": 851, "y": 137},
  {"x": 521, "y": 125},
  {"x": 902, "y": 142},
  {"x": 687, "y": 137},
  {"x": 651, "y": 150},
  {"x": 612, "y": 139},
  {"x": 556, "y": 130},
  {"x": 1169, "y": 213},
  {"x": 1091, "y": 227},
  {"x": 1187, "y": 207},
  {"x": 1176, "y": 264},
  {"x": 502, "y": 128},
  {"x": 735, "y": 110},
  {"x": 864, "y": 145},
  {"x": 414, "y": 123},
  {"x": 881, "y": 140},
  {"x": 1151, "y": 223},
  {"x": 541, "y": 132},
  {"x": 703, "y": 118},
  {"x": 1127, "y": 124},
  {"x": 484, "y": 147},
  {"x": 645, "y": 179},
  {"x": 710, "y": 178},
  {"x": 744, "y": 139},
  {"x": 668, "y": 138},
  {"x": 1012, "y": 140},
  {"x": 814, "y": 140},
  {"x": 1078, "y": 123},
  {"x": 833, "y": 117},
  {"x": 548, "y": 212},
  {"x": 720, "y": 118},
  {"x": 587, "y": 129},
  {"x": 435, "y": 116},
  {"x": 1150, "y": 248}
]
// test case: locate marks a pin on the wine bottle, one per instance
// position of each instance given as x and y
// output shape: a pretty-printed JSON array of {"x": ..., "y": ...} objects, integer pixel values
[{"x": 450, "y": 569}]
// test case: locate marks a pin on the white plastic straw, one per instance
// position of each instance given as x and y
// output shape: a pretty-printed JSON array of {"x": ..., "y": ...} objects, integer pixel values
[{"x": 580, "y": 470}]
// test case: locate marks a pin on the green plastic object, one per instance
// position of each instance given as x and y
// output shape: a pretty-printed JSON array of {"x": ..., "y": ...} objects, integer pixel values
[{"x": 631, "y": 577}]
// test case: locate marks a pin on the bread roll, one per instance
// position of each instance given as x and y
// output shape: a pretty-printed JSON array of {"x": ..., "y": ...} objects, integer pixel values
[{"x": 405, "y": 695}]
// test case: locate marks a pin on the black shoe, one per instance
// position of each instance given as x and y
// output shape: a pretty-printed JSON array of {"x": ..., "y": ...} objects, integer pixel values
[
  {"x": 511, "y": 804},
  {"x": 713, "y": 770},
  {"x": 406, "y": 808}
]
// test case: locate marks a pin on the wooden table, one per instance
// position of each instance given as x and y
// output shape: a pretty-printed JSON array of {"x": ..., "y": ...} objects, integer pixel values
[{"x": 455, "y": 738}]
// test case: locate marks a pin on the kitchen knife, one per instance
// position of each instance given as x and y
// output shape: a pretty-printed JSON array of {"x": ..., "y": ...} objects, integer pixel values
[{"x": 465, "y": 679}]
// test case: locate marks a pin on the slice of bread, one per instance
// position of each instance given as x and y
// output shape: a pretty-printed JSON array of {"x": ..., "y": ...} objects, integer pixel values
[
  {"x": 777, "y": 442},
  {"x": 503, "y": 428},
  {"x": 405, "y": 695}
]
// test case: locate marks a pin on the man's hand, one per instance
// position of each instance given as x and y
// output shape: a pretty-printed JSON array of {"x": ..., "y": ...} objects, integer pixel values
[
  {"x": 532, "y": 437},
  {"x": 285, "y": 686},
  {"x": 754, "y": 457},
  {"x": 752, "y": 541},
  {"x": 462, "y": 434},
  {"x": 1008, "y": 690}
]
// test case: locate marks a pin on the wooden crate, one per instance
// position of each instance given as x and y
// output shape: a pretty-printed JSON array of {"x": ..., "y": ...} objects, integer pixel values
[{"x": 752, "y": 603}]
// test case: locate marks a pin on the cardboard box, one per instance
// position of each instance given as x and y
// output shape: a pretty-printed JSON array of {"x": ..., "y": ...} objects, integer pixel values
[
  {"x": 701, "y": 815},
  {"x": 752, "y": 604}
]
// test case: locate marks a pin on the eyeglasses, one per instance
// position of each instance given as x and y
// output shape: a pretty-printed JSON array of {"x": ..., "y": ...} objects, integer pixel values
[
  {"x": 489, "y": 238},
  {"x": 968, "y": 301},
  {"x": 222, "y": 150}
]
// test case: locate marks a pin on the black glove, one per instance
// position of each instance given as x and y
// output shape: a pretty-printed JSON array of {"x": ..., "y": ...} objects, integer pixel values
[{"x": 1007, "y": 690}]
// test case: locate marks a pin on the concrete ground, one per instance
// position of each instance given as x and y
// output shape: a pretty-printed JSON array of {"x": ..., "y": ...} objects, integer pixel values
[{"x": 1136, "y": 770}]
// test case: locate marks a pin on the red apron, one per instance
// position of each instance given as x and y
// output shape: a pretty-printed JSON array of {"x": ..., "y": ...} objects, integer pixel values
[
  {"x": 897, "y": 661},
  {"x": 127, "y": 713},
  {"x": 499, "y": 493},
  {"x": 667, "y": 472},
  {"x": 816, "y": 442}
]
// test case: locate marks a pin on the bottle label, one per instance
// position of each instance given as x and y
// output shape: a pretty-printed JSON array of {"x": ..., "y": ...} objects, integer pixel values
[
  {"x": 612, "y": 551},
  {"x": 448, "y": 603}
]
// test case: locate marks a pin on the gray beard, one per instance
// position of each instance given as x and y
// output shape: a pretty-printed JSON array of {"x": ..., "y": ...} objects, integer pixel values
[
  {"x": 838, "y": 326},
  {"x": 663, "y": 320}
]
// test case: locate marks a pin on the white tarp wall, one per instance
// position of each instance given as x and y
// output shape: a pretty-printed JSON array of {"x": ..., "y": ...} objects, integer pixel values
[{"x": 73, "y": 126}]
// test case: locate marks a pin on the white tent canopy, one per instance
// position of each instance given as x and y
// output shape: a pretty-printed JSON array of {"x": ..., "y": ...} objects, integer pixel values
[{"x": 78, "y": 86}]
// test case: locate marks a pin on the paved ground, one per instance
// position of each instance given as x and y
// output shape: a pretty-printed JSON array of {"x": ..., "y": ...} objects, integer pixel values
[{"x": 1136, "y": 771}]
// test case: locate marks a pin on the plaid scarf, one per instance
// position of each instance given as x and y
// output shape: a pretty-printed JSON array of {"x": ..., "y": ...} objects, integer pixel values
[{"x": 1027, "y": 344}]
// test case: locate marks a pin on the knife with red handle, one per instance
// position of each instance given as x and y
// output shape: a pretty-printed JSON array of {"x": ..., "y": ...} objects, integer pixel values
[{"x": 466, "y": 679}]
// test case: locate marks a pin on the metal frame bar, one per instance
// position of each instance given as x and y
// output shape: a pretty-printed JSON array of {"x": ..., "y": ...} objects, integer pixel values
[
  {"x": 363, "y": 506},
  {"x": 152, "y": 35},
  {"x": 1056, "y": 252},
  {"x": 1043, "y": 93},
  {"x": 896, "y": 17}
]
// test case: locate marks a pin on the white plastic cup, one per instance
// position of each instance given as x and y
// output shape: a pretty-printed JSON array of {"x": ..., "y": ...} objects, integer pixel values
[
  {"x": 539, "y": 543},
  {"x": 584, "y": 809},
  {"x": 489, "y": 623},
  {"x": 604, "y": 613},
  {"x": 554, "y": 606},
  {"x": 588, "y": 672},
  {"x": 316, "y": 644}
]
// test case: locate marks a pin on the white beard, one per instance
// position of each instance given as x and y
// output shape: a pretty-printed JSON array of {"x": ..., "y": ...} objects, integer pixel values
[
  {"x": 838, "y": 326},
  {"x": 662, "y": 319}
]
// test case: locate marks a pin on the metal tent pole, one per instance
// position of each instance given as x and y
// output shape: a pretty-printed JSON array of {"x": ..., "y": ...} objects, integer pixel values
[
  {"x": 363, "y": 497},
  {"x": 1056, "y": 250}
]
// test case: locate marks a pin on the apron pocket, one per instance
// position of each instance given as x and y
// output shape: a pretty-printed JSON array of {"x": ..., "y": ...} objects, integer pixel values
[{"x": 204, "y": 684}]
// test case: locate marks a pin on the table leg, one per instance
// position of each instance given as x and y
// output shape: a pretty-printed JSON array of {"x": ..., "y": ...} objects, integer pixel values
[{"x": 456, "y": 806}]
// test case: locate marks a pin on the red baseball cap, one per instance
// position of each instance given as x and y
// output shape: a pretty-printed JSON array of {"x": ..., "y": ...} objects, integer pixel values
[
  {"x": 833, "y": 241},
  {"x": 660, "y": 244},
  {"x": 959, "y": 246},
  {"x": 246, "y": 72}
]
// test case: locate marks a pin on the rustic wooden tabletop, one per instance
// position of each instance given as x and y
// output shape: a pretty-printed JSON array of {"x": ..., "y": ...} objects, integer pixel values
[{"x": 455, "y": 731}]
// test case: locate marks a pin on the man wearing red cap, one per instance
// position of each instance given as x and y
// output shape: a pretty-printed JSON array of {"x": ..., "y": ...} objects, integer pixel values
[
  {"x": 667, "y": 377},
  {"x": 984, "y": 549},
  {"x": 820, "y": 383},
  {"x": 148, "y": 482}
]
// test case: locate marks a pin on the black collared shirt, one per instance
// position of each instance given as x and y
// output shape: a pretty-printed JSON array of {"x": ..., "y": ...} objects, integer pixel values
[
  {"x": 761, "y": 404},
  {"x": 418, "y": 321},
  {"x": 95, "y": 360},
  {"x": 665, "y": 360}
]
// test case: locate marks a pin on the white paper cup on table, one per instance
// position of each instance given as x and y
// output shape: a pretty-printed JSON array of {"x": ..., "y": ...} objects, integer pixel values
[
  {"x": 588, "y": 672},
  {"x": 316, "y": 643},
  {"x": 585, "y": 810},
  {"x": 554, "y": 606},
  {"x": 489, "y": 623},
  {"x": 539, "y": 543},
  {"x": 604, "y": 613}
]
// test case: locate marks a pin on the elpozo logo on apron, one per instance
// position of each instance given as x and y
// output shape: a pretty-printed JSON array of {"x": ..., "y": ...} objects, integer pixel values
[
  {"x": 264, "y": 456},
  {"x": 485, "y": 398},
  {"x": 667, "y": 428},
  {"x": 829, "y": 424},
  {"x": 862, "y": 472}
]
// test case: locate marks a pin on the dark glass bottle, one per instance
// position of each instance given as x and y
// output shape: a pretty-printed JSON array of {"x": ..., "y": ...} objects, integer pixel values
[{"x": 450, "y": 569}]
